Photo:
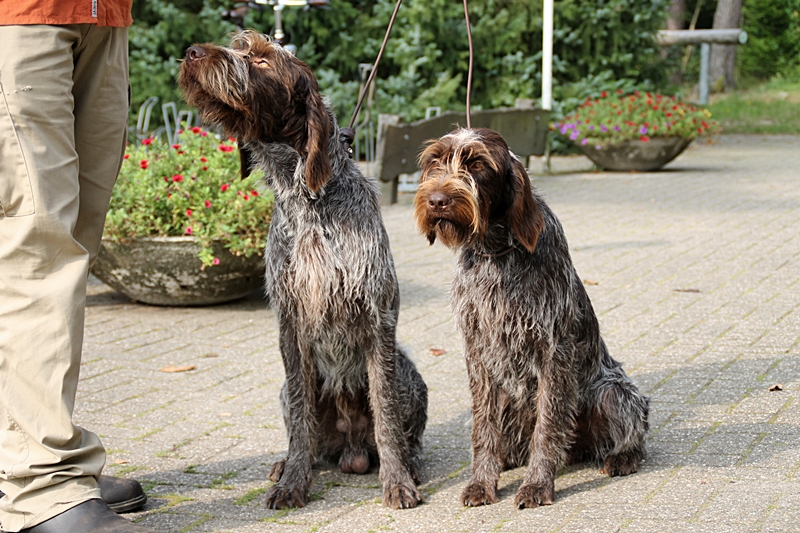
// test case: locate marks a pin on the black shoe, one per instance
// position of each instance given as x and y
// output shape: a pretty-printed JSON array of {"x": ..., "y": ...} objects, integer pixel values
[
  {"x": 121, "y": 495},
  {"x": 91, "y": 516}
]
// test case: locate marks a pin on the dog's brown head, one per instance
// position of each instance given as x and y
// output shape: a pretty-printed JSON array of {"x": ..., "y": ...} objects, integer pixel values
[
  {"x": 469, "y": 180},
  {"x": 257, "y": 91}
]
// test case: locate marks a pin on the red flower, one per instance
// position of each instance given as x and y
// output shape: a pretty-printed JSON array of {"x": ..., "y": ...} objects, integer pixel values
[
  {"x": 644, "y": 138},
  {"x": 207, "y": 203},
  {"x": 166, "y": 179},
  {"x": 147, "y": 141},
  {"x": 246, "y": 197},
  {"x": 225, "y": 148},
  {"x": 231, "y": 139},
  {"x": 205, "y": 168},
  {"x": 203, "y": 160},
  {"x": 254, "y": 193},
  {"x": 603, "y": 94},
  {"x": 196, "y": 130},
  {"x": 176, "y": 146},
  {"x": 188, "y": 212},
  {"x": 177, "y": 178},
  {"x": 143, "y": 163},
  {"x": 126, "y": 156},
  {"x": 224, "y": 187},
  {"x": 188, "y": 230}
]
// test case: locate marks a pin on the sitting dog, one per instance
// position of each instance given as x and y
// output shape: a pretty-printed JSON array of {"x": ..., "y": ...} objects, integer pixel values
[
  {"x": 351, "y": 394},
  {"x": 544, "y": 388}
]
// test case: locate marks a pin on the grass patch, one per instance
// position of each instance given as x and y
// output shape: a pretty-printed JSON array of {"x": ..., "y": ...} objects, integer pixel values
[
  {"x": 250, "y": 496},
  {"x": 769, "y": 108}
]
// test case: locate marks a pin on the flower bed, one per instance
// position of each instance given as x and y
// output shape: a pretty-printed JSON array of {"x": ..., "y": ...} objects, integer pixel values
[
  {"x": 191, "y": 188},
  {"x": 639, "y": 116}
]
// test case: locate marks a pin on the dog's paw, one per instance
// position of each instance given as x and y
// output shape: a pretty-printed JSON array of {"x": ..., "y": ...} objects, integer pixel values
[
  {"x": 283, "y": 497},
  {"x": 533, "y": 495},
  {"x": 621, "y": 465},
  {"x": 401, "y": 495},
  {"x": 276, "y": 471},
  {"x": 477, "y": 493}
]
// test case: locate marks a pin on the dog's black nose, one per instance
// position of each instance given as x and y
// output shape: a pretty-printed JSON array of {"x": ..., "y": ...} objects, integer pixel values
[
  {"x": 195, "y": 52},
  {"x": 438, "y": 200}
]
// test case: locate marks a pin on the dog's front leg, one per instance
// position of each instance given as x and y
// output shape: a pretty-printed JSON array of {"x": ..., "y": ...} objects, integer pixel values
[
  {"x": 293, "y": 475},
  {"x": 399, "y": 489},
  {"x": 556, "y": 406},
  {"x": 486, "y": 437}
]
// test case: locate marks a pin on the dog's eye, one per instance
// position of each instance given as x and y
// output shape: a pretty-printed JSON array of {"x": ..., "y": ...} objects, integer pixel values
[
  {"x": 477, "y": 165},
  {"x": 260, "y": 62}
]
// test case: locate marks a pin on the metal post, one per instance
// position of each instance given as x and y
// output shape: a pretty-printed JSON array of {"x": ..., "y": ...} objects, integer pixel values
[
  {"x": 547, "y": 69},
  {"x": 705, "y": 53}
]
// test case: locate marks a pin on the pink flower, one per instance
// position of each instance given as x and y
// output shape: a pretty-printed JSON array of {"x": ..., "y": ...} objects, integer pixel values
[
  {"x": 188, "y": 212},
  {"x": 225, "y": 148},
  {"x": 204, "y": 134},
  {"x": 224, "y": 187},
  {"x": 207, "y": 203},
  {"x": 215, "y": 261},
  {"x": 177, "y": 178},
  {"x": 188, "y": 230},
  {"x": 147, "y": 141}
]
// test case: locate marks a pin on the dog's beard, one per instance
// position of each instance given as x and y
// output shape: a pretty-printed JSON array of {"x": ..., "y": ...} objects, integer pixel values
[{"x": 449, "y": 232}]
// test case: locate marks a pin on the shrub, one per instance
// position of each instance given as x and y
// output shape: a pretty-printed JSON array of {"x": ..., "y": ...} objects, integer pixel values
[
  {"x": 191, "y": 188},
  {"x": 641, "y": 115}
]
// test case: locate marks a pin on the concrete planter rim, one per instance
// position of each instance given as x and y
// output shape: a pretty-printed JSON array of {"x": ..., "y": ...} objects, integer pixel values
[
  {"x": 634, "y": 154},
  {"x": 166, "y": 271}
]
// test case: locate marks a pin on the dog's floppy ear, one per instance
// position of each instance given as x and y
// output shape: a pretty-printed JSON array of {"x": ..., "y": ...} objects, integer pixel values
[
  {"x": 525, "y": 217},
  {"x": 246, "y": 165},
  {"x": 318, "y": 163}
]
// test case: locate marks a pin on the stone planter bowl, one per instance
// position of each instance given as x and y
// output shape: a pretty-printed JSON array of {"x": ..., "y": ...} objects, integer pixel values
[
  {"x": 167, "y": 271},
  {"x": 637, "y": 155}
]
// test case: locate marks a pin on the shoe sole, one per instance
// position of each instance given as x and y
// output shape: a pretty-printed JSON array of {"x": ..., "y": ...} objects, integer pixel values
[{"x": 128, "y": 505}]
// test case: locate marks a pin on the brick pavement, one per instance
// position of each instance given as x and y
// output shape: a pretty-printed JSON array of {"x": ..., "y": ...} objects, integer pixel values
[{"x": 695, "y": 275}]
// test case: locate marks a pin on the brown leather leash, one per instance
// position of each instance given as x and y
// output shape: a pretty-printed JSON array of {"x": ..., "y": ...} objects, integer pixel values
[{"x": 347, "y": 135}]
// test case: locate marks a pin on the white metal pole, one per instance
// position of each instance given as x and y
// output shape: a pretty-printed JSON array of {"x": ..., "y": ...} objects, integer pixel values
[{"x": 547, "y": 56}]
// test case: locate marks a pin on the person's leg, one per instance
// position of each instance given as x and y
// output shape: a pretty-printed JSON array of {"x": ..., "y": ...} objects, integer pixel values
[{"x": 51, "y": 217}]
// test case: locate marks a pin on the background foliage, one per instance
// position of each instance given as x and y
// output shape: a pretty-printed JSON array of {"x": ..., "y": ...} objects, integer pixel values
[{"x": 599, "y": 45}]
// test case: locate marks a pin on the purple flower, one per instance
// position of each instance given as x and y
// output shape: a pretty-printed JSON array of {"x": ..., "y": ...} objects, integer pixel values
[
  {"x": 573, "y": 135},
  {"x": 603, "y": 128},
  {"x": 616, "y": 128},
  {"x": 591, "y": 127},
  {"x": 643, "y": 130},
  {"x": 598, "y": 147},
  {"x": 563, "y": 129},
  {"x": 579, "y": 122},
  {"x": 585, "y": 142}
]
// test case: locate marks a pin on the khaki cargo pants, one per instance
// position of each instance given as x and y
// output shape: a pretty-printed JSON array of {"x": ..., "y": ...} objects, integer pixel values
[{"x": 63, "y": 115}]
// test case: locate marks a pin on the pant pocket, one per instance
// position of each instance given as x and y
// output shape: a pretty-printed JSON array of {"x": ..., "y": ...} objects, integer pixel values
[{"x": 16, "y": 194}]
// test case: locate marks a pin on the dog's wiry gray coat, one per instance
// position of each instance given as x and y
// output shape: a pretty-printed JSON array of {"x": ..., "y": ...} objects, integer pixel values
[
  {"x": 544, "y": 388},
  {"x": 351, "y": 393}
]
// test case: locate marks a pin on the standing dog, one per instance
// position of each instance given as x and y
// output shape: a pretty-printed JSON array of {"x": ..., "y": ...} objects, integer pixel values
[
  {"x": 544, "y": 388},
  {"x": 351, "y": 394}
]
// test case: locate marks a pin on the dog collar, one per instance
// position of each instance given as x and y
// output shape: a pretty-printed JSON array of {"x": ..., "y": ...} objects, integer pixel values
[{"x": 495, "y": 255}]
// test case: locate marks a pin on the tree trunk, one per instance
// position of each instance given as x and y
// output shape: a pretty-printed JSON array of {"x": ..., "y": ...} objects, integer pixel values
[
  {"x": 723, "y": 56},
  {"x": 676, "y": 19}
]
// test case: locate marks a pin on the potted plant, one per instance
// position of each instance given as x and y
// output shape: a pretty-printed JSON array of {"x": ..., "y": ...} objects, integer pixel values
[
  {"x": 182, "y": 227},
  {"x": 638, "y": 131}
]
